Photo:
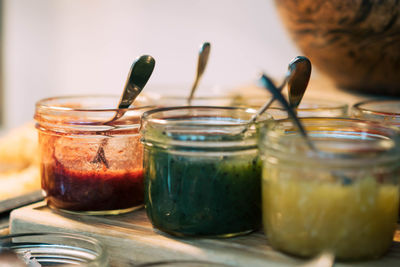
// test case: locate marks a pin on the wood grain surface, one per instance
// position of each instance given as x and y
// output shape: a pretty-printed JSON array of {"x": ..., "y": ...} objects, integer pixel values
[{"x": 131, "y": 239}]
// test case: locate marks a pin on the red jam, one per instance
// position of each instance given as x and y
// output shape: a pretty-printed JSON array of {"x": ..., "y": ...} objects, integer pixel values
[
  {"x": 95, "y": 190},
  {"x": 73, "y": 133}
]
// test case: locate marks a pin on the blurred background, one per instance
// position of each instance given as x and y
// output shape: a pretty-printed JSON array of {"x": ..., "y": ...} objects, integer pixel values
[{"x": 66, "y": 47}]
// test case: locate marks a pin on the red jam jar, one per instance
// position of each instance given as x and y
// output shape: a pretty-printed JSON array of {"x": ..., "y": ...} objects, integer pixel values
[{"x": 73, "y": 133}]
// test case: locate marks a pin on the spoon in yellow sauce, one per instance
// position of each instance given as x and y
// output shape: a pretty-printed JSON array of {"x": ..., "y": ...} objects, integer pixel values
[{"x": 297, "y": 77}]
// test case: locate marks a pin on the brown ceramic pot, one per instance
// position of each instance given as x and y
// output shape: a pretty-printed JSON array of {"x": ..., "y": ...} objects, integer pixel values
[{"x": 355, "y": 42}]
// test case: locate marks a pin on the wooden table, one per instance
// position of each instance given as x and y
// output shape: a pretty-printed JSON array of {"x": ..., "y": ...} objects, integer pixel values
[{"x": 131, "y": 239}]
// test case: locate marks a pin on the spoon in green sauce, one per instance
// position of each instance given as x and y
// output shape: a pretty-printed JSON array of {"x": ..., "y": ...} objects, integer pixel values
[
  {"x": 297, "y": 77},
  {"x": 204, "y": 53}
]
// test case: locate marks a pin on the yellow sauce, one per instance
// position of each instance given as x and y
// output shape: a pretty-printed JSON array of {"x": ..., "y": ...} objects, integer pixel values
[{"x": 304, "y": 217}]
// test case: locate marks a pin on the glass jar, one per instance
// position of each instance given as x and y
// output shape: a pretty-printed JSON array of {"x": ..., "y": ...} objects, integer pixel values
[
  {"x": 382, "y": 110},
  {"x": 386, "y": 111},
  {"x": 182, "y": 100},
  {"x": 309, "y": 107},
  {"x": 55, "y": 249},
  {"x": 314, "y": 107},
  {"x": 342, "y": 197},
  {"x": 88, "y": 165},
  {"x": 174, "y": 95},
  {"x": 202, "y": 175}
]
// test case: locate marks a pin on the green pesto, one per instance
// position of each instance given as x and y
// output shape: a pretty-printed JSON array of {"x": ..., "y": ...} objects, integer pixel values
[{"x": 202, "y": 196}]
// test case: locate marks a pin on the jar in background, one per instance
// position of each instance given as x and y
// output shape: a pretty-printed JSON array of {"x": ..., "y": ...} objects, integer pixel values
[
  {"x": 202, "y": 176},
  {"x": 314, "y": 107},
  {"x": 55, "y": 249},
  {"x": 175, "y": 95},
  {"x": 71, "y": 131},
  {"x": 386, "y": 111},
  {"x": 309, "y": 107},
  {"x": 174, "y": 100},
  {"x": 343, "y": 198}
]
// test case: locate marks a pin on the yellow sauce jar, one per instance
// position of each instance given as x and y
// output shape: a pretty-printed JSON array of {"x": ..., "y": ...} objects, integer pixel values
[{"x": 343, "y": 197}]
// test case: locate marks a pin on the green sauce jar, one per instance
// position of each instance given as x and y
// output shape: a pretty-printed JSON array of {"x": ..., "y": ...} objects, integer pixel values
[{"x": 202, "y": 175}]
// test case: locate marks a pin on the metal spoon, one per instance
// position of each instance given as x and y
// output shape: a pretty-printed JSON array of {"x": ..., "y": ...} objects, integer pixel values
[
  {"x": 298, "y": 67},
  {"x": 278, "y": 96},
  {"x": 138, "y": 76},
  {"x": 204, "y": 53},
  {"x": 326, "y": 258},
  {"x": 292, "y": 114},
  {"x": 300, "y": 72}
]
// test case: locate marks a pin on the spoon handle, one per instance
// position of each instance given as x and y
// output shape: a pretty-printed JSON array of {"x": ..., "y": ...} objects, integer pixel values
[
  {"x": 201, "y": 66},
  {"x": 277, "y": 95},
  {"x": 267, "y": 83},
  {"x": 300, "y": 69},
  {"x": 138, "y": 76}
]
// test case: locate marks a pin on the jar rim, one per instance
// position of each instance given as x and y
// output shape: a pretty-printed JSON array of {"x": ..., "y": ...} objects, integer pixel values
[
  {"x": 92, "y": 240},
  {"x": 148, "y": 115},
  {"x": 321, "y": 104},
  {"x": 87, "y": 113},
  {"x": 307, "y": 104},
  {"x": 211, "y": 128},
  {"x": 335, "y": 138},
  {"x": 97, "y": 249},
  {"x": 361, "y": 107},
  {"x": 45, "y": 103},
  {"x": 182, "y": 97}
]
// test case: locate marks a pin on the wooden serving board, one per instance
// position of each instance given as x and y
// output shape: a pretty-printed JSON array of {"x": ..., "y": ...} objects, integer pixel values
[{"x": 131, "y": 239}]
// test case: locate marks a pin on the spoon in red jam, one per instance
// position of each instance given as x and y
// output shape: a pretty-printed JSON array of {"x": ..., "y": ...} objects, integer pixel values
[{"x": 138, "y": 76}]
